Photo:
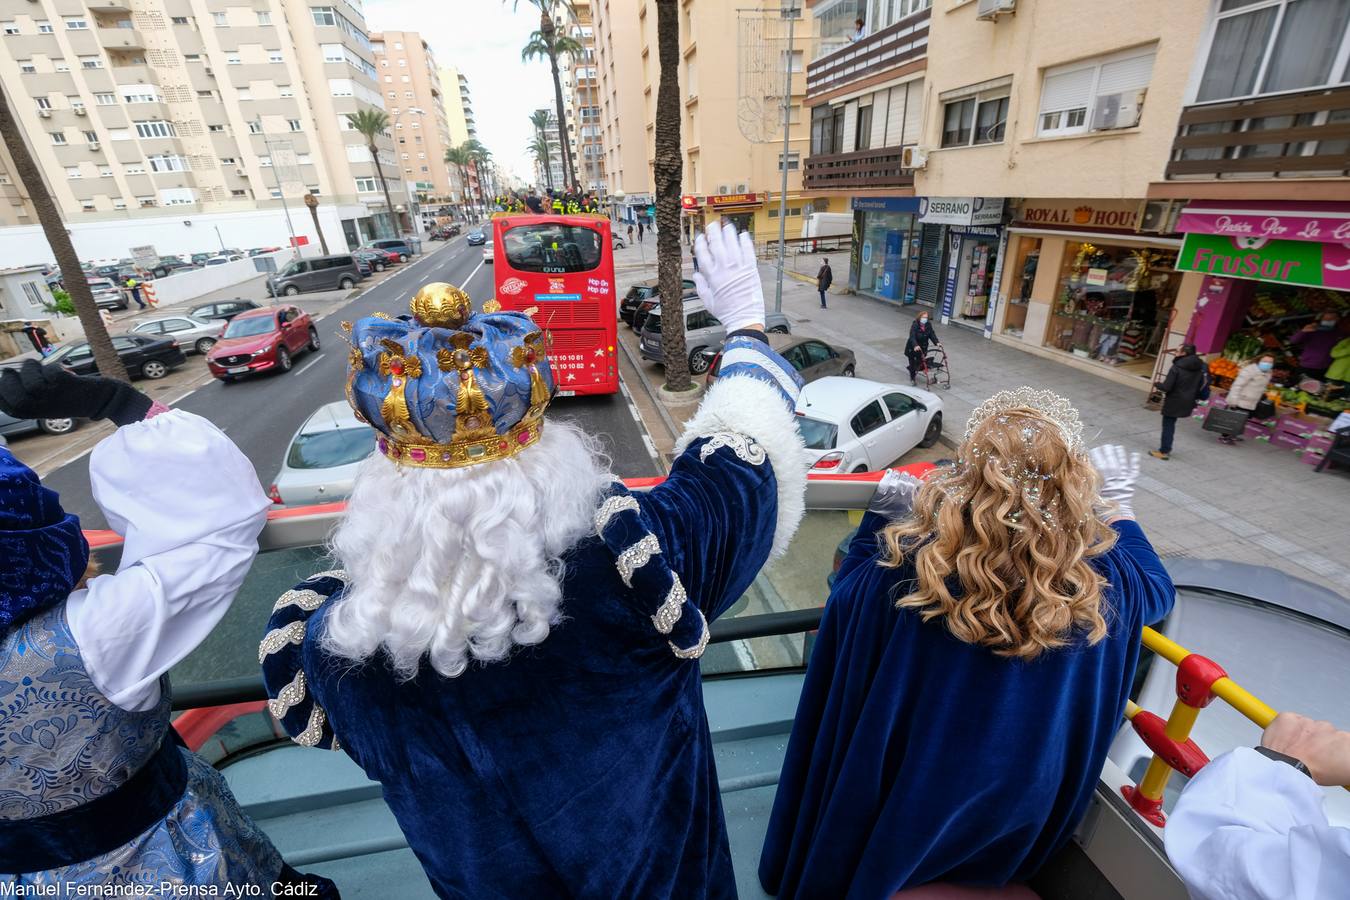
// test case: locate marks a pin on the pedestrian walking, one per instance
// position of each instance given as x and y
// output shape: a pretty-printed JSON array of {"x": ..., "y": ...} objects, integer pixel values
[
  {"x": 1186, "y": 381},
  {"x": 921, "y": 334},
  {"x": 37, "y": 336},
  {"x": 640, "y": 230},
  {"x": 630, "y": 234},
  {"x": 1248, "y": 390},
  {"x": 134, "y": 289},
  {"x": 824, "y": 278}
]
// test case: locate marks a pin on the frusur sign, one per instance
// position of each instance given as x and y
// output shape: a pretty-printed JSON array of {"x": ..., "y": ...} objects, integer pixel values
[{"x": 1285, "y": 262}]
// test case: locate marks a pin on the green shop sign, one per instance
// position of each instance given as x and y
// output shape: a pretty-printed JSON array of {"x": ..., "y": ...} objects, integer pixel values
[{"x": 1285, "y": 262}]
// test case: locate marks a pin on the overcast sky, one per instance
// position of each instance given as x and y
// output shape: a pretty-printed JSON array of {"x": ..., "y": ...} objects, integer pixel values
[{"x": 483, "y": 38}]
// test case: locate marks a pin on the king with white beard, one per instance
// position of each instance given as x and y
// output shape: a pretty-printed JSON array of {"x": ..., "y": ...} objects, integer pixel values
[{"x": 510, "y": 645}]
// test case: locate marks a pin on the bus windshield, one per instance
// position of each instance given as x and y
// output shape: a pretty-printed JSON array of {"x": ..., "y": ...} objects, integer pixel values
[{"x": 553, "y": 248}]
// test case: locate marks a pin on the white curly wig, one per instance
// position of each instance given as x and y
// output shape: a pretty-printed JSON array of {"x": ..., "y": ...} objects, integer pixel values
[{"x": 460, "y": 564}]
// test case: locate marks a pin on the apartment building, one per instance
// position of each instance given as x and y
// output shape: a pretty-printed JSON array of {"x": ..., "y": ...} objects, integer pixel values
[
  {"x": 414, "y": 100},
  {"x": 1176, "y": 172},
  {"x": 458, "y": 102},
  {"x": 555, "y": 174},
  {"x": 194, "y": 121},
  {"x": 623, "y": 135},
  {"x": 581, "y": 90},
  {"x": 726, "y": 174},
  {"x": 866, "y": 96}
]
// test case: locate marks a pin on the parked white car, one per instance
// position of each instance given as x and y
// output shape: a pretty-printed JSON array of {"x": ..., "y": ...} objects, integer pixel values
[
  {"x": 487, "y": 253},
  {"x": 856, "y": 425},
  {"x": 321, "y": 462},
  {"x": 194, "y": 335}
]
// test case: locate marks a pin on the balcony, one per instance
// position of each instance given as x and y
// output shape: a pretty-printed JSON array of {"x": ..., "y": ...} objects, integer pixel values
[
  {"x": 1305, "y": 134},
  {"x": 134, "y": 73},
  {"x": 861, "y": 169},
  {"x": 120, "y": 37},
  {"x": 896, "y": 45},
  {"x": 109, "y": 6}
]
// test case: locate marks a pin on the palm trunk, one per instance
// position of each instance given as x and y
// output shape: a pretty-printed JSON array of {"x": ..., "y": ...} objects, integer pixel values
[
  {"x": 323, "y": 242},
  {"x": 72, "y": 275},
  {"x": 547, "y": 30},
  {"x": 666, "y": 173},
  {"x": 384, "y": 185},
  {"x": 548, "y": 155}
]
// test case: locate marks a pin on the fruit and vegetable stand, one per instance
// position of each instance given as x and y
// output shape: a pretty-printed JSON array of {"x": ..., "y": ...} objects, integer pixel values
[{"x": 1301, "y": 422}]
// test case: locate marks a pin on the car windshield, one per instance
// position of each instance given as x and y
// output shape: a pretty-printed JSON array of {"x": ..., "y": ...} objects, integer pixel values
[
  {"x": 326, "y": 449},
  {"x": 817, "y": 434},
  {"x": 63, "y": 353},
  {"x": 249, "y": 327},
  {"x": 652, "y": 322},
  {"x": 555, "y": 249}
]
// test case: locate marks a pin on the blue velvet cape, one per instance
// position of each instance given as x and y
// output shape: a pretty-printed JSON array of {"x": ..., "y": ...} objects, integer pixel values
[
  {"x": 579, "y": 767},
  {"x": 918, "y": 758}
]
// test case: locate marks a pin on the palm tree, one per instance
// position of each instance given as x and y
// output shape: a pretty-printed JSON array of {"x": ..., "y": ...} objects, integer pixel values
[
  {"x": 539, "y": 149},
  {"x": 72, "y": 275},
  {"x": 479, "y": 155},
  {"x": 373, "y": 122},
  {"x": 539, "y": 119},
  {"x": 460, "y": 158},
  {"x": 666, "y": 173},
  {"x": 547, "y": 43}
]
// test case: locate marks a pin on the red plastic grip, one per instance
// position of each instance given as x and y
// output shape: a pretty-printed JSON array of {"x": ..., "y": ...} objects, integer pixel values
[
  {"x": 1150, "y": 810},
  {"x": 1196, "y": 675},
  {"x": 1187, "y": 758}
]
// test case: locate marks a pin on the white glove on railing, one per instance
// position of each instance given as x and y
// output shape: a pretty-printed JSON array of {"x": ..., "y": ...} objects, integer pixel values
[
  {"x": 728, "y": 276},
  {"x": 894, "y": 497},
  {"x": 1119, "y": 471}
]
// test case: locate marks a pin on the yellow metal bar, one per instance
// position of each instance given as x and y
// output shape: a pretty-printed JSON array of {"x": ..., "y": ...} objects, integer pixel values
[
  {"x": 1251, "y": 706},
  {"x": 1181, "y": 721},
  {"x": 1178, "y": 728},
  {"x": 1132, "y": 709},
  {"x": 1165, "y": 647}
]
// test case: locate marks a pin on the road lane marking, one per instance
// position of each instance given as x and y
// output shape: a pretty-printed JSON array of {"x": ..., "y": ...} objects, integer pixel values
[{"x": 307, "y": 365}]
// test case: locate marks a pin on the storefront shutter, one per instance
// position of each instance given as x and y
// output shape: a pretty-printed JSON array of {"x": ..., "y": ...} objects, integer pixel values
[
  {"x": 1067, "y": 90},
  {"x": 929, "y": 286}
]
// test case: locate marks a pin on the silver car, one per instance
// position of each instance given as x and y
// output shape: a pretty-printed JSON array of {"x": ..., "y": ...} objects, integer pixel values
[
  {"x": 11, "y": 427},
  {"x": 193, "y": 335},
  {"x": 107, "y": 295},
  {"x": 321, "y": 462},
  {"x": 702, "y": 332}
]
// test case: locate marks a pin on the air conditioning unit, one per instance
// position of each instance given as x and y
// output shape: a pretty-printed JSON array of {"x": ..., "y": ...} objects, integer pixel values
[
  {"x": 81, "y": 111},
  {"x": 208, "y": 70},
  {"x": 1117, "y": 110},
  {"x": 742, "y": 188},
  {"x": 724, "y": 189},
  {"x": 1160, "y": 216},
  {"x": 913, "y": 158},
  {"x": 992, "y": 9},
  {"x": 45, "y": 113}
]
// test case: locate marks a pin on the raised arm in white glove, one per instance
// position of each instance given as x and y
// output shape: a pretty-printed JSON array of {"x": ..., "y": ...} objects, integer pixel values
[
  {"x": 1119, "y": 471},
  {"x": 894, "y": 497},
  {"x": 728, "y": 277}
]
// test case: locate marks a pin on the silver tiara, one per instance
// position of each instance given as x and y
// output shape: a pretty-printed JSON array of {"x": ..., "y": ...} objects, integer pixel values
[{"x": 1054, "y": 407}]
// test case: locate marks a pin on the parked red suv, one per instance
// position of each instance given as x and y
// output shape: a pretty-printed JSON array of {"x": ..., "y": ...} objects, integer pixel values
[{"x": 261, "y": 340}]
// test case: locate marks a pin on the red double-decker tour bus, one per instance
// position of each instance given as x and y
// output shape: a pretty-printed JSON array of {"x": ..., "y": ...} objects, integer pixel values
[{"x": 563, "y": 267}]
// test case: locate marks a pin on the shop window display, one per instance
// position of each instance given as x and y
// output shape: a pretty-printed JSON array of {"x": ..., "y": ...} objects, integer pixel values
[
  {"x": 1025, "y": 262},
  {"x": 1113, "y": 302},
  {"x": 884, "y": 254}
]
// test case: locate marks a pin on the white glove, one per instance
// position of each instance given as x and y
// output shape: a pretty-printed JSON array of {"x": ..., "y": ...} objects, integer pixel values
[
  {"x": 1119, "y": 471},
  {"x": 894, "y": 497},
  {"x": 728, "y": 276}
]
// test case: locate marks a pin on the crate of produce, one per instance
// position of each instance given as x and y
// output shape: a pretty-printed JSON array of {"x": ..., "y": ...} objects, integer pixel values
[
  {"x": 1318, "y": 442},
  {"x": 1311, "y": 457},
  {"x": 1259, "y": 430}
]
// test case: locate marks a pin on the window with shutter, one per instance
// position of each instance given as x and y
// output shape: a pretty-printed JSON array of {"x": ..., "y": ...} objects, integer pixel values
[{"x": 1096, "y": 94}]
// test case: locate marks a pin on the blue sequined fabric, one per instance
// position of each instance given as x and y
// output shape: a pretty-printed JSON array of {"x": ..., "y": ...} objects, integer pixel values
[
  {"x": 63, "y": 744},
  {"x": 43, "y": 553}
]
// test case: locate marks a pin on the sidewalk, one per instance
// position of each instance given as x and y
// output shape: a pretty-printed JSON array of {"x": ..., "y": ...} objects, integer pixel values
[{"x": 1253, "y": 502}]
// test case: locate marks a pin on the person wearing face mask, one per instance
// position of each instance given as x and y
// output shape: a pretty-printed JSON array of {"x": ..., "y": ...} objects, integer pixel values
[
  {"x": 921, "y": 334},
  {"x": 1248, "y": 388},
  {"x": 1314, "y": 343}
]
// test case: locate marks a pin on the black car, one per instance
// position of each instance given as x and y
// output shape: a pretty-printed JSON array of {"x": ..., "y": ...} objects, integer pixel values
[
  {"x": 167, "y": 267},
  {"x": 644, "y": 290},
  {"x": 145, "y": 356},
  {"x": 476, "y": 238},
  {"x": 223, "y": 310},
  {"x": 376, "y": 260}
]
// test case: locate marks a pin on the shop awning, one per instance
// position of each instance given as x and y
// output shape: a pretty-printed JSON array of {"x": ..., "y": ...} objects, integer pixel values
[{"x": 1326, "y": 223}]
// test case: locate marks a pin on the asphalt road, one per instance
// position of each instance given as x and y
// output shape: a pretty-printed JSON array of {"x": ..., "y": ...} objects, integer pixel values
[{"x": 261, "y": 414}]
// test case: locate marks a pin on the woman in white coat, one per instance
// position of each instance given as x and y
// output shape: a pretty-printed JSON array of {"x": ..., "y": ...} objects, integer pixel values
[{"x": 1248, "y": 388}]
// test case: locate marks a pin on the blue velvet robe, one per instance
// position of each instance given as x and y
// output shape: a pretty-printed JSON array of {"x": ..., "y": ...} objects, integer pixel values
[
  {"x": 918, "y": 758},
  {"x": 578, "y": 767}
]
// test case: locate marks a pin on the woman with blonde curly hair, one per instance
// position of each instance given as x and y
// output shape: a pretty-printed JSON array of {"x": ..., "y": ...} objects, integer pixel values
[{"x": 972, "y": 665}]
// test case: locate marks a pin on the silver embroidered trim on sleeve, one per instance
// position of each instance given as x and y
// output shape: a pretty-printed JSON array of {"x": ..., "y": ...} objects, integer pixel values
[
  {"x": 669, "y": 613},
  {"x": 611, "y": 507},
  {"x": 277, "y": 638},
  {"x": 339, "y": 574},
  {"x": 695, "y": 651},
  {"x": 313, "y": 732},
  {"x": 288, "y": 696},
  {"x": 302, "y": 597},
  {"x": 744, "y": 447},
  {"x": 636, "y": 556}
]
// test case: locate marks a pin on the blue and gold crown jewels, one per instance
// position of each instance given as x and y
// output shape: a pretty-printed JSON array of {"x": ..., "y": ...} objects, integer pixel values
[{"x": 447, "y": 387}]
